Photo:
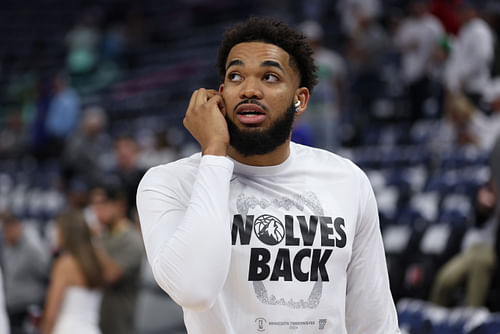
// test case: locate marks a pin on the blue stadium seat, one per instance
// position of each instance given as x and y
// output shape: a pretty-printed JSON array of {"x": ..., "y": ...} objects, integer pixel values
[
  {"x": 489, "y": 326},
  {"x": 421, "y": 317}
]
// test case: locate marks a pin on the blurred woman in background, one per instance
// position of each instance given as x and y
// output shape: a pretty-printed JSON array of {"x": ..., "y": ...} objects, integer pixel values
[{"x": 78, "y": 274}]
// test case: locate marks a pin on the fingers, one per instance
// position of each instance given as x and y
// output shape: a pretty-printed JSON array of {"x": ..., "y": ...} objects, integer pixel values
[
  {"x": 192, "y": 100},
  {"x": 211, "y": 93},
  {"x": 203, "y": 96},
  {"x": 219, "y": 102},
  {"x": 206, "y": 94},
  {"x": 205, "y": 121}
]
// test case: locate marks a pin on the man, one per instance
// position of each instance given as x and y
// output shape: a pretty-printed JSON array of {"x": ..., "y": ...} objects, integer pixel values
[
  {"x": 257, "y": 233},
  {"x": 417, "y": 39},
  {"x": 127, "y": 154},
  {"x": 25, "y": 269},
  {"x": 123, "y": 244},
  {"x": 474, "y": 266},
  {"x": 85, "y": 151},
  {"x": 63, "y": 113},
  {"x": 469, "y": 66},
  {"x": 325, "y": 107}
]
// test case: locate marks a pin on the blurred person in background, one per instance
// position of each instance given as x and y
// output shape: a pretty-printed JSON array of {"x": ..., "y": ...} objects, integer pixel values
[
  {"x": 417, "y": 38},
  {"x": 26, "y": 271},
  {"x": 351, "y": 13},
  {"x": 38, "y": 127},
  {"x": 82, "y": 42},
  {"x": 62, "y": 116},
  {"x": 123, "y": 243},
  {"x": 474, "y": 266},
  {"x": 158, "y": 149},
  {"x": 128, "y": 168},
  {"x": 470, "y": 125},
  {"x": 77, "y": 193},
  {"x": 365, "y": 50},
  {"x": 77, "y": 279},
  {"x": 366, "y": 44},
  {"x": 86, "y": 151},
  {"x": 468, "y": 69},
  {"x": 14, "y": 139},
  {"x": 327, "y": 103},
  {"x": 4, "y": 318}
]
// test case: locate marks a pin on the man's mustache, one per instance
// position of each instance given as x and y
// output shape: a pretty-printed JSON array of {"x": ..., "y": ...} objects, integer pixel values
[{"x": 250, "y": 101}]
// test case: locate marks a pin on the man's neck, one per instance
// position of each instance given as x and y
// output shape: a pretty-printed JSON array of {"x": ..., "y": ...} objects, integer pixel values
[{"x": 273, "y": 158}]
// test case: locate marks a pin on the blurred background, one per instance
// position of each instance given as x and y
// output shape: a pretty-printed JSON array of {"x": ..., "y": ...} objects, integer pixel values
[{"x": 94, "y": 92}]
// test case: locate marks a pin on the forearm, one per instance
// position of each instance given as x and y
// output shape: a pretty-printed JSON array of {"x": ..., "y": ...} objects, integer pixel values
[{"x": 186, "y": 248}]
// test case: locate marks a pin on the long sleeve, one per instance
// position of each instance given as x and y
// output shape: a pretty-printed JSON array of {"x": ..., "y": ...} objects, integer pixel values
[
  {"x": 187, "y": 239},
  {"x": 369, "y": 304}
]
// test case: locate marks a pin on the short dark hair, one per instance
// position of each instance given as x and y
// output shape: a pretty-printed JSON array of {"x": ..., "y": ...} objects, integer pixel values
[
  {"x": 274, "y": 32},
  {"x": 114, "y": 192}
]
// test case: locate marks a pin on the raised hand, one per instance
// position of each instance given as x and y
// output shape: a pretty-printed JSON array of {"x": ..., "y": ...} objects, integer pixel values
[{"x": 205, "y": 121}]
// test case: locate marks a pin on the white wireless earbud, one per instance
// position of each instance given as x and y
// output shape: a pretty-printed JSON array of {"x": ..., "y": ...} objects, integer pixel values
[{"x": 296, "y": 105}]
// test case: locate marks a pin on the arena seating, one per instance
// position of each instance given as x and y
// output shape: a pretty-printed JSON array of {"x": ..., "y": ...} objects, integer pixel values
[{"x": 424, "y": 191}]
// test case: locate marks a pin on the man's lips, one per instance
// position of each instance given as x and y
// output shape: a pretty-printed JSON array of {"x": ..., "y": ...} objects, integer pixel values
[{"x": 250, "y": 114}]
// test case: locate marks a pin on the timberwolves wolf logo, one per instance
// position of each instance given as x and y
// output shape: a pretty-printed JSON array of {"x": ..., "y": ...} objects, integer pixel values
[{"x": 269, "y": 229}]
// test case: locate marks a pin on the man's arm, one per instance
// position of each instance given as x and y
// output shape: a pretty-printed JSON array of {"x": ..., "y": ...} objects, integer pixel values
[
  {"x": 369, "y": 304},
  {"x": 188, "y": 244},
  {"x": 187, "y": 241}
]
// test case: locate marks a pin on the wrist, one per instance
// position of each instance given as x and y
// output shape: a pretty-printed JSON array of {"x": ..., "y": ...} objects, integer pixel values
[{"x": 215, "y": 149}]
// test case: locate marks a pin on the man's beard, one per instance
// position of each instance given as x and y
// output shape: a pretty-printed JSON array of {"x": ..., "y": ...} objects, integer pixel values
[{"x": 261, "y": 141}]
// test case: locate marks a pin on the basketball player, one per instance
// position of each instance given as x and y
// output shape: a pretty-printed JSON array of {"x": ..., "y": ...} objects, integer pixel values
[{"x": 257, "y": 233}]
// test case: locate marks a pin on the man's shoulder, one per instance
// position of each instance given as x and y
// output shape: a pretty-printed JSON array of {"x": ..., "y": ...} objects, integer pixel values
[
  {"x": 322, "y": 162},
  {"x": 324, "y": 158},
  {"x": 180, "y": 165},
  {"x": 167, "y": 173}
]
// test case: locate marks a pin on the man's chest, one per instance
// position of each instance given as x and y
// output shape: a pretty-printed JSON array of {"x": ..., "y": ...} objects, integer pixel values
[{"x": 296, "y": 232}]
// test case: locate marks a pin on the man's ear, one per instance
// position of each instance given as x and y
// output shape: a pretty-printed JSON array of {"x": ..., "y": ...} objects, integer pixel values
[
  {"x": 221, "y": 88},
  {"x": 302, "y": 96}
]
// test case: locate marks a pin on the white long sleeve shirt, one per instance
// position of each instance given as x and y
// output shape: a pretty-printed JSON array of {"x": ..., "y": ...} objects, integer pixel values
[
  {"x": 417, "y": 38},
  {"x": 468, "y": 68},
  {"x": 292, "y": 248}
]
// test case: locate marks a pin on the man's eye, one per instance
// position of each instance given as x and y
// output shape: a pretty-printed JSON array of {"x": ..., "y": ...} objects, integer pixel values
[
  {"x": 271, "y": 77},
  {"x": 234, "y": 77}
]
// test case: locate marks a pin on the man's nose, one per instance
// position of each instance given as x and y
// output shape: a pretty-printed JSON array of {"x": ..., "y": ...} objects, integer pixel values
[{"x": 251, "y": 89}]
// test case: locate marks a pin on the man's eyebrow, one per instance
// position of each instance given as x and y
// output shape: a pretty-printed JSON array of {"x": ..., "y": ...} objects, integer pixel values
[
  {"x": 235, "y": 62},
  {"x": 271, "y": 63}
]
